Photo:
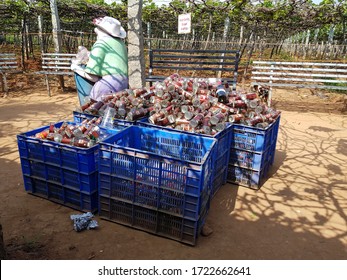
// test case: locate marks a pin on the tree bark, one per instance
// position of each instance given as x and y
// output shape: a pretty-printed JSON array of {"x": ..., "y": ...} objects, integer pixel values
[
  {"x": 56, "y": 34},
  {"x": 136, "y": 61}
]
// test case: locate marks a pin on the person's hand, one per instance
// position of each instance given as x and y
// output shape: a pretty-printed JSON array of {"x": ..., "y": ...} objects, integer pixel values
[{"x": 76, "y": 67}]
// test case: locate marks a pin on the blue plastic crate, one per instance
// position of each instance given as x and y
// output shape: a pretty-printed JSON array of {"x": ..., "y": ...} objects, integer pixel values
[
  {"x": 65, "y": 156},
  {"x": 79, "y": 200},
  {"x": 163, "y": 224},
  {"x": 59, "y": 172},
  {"x": 79, "y": 117},
  {"x": 247, "y": 177},
  {"x": 252, "y": 153},
  {"x": 171, "y": 160},
  {"x": 223, "y": 137},
  {"x": 221, "y": 158},
  {"x": 67, "y": 178},
  {"x": 254, "y": 139},
  {"x": 163, "y": 199}
]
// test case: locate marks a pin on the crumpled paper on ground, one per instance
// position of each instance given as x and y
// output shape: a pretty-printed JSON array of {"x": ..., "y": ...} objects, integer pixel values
[{"x": 83, "y": 221}]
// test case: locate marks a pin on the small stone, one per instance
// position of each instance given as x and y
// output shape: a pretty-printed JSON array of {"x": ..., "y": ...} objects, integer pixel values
[{"x": 206, "y": 230}]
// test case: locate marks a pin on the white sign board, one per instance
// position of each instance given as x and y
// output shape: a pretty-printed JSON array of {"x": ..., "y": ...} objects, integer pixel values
[{"x": 184, "y": 23}]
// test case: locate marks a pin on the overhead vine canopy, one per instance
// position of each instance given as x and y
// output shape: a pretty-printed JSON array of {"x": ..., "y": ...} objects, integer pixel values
[
  {"x": 272, "y": 20},
  {"x": 75, "y": 15}
]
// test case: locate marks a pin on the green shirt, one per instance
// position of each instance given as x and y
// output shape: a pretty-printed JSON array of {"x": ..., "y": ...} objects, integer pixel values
[{"x": 108, "y": 56}]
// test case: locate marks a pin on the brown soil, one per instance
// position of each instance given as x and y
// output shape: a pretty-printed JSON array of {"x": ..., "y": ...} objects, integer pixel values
[{"x": 299, "y": 212}]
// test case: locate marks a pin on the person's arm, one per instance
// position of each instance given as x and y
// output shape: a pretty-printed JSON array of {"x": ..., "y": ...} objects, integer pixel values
[{"x": 80, "y": 71}]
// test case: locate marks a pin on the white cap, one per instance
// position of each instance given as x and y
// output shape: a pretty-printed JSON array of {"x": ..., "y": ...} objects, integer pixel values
[{"x": 111, "y": 26}]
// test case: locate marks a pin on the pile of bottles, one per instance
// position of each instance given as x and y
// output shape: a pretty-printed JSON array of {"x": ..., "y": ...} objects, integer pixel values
[
  {"x": 198, "y": 105},
  {"x": 204, "y": 106},
  {"x": 83, "y": 135},
  {"x": 128, "y": 104}
]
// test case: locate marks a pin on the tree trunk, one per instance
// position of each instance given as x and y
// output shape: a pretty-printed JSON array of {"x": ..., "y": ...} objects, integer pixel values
[
  {"x": 56, "y": 34},
  {"x": 40, "y": 24},
  {"x": 209, "y": 32},
  {"x": 22, "y": 44},
  {"x": 136, "y": 61}
]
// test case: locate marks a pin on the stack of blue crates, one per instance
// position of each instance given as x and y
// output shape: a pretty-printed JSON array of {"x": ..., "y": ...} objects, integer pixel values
[
  {"x": 149, "y": 177},
  {"x": 58, "y": 172},
  {"x": 252, "y": 153},
  {"x": 157, "y": 181},
  {"x": 220, "y": 170}
]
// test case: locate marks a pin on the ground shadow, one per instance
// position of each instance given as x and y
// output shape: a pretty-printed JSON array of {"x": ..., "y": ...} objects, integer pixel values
[{"x": 299, "y": 212}]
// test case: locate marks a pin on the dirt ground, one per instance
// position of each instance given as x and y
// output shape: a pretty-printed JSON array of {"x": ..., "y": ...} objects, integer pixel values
[{"x": 300, "y": 212}]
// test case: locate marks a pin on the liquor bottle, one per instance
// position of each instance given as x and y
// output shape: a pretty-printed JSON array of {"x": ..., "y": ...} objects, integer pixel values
[
  {"x": 147, "y": 95},
  {"x": 167, "y": 96},
  {"x": 180, "y": 121},
  {"x": 108, "y": 119},
  {"x": 171, "y": 118},
  {"x": 239, "y": 104},
  {"x": 170, "y": 87},
  {"x": 82, "y": 142},
  {"x": 220, "y": 126},
  {"x": 188, "y": 115},
  {"x": 94, "y": 108},
  {"x": 60, "y": 139},
  {"x": 94, "y": 133},
  {"x": 220, "y": 117},
  {"x": 262, "y": 125},
  {"x": 204, "y": 106},
  {"x": 197, "y": 120},
  {"x": 221, "y": 94},
  {"x": 248, "y": 96},
  {"x": 187, "y": 108},
  {"x": 50, "y": 136},
  {"x": 235, "y": 118},
  {"x": 165, "y": 103},
  {"x": 206, "y": 124},
  {"x": 187, "y": 94},
  {"x": 62, "y": 128},
  {"x": 253, "y": 103},
  {"x": 136, "y": 113},
  {"x": 260, "y": 108},
  {"x": 138, "y": 92},
  {"x": 79, "y": 130},
  {"x": 159, "y": 89},
  {"x": 255, "y": 120},
  {"x": 196, "y": 101},
  {"x": 223, "y": 107},
  {"x": 102, "y": 109}
]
